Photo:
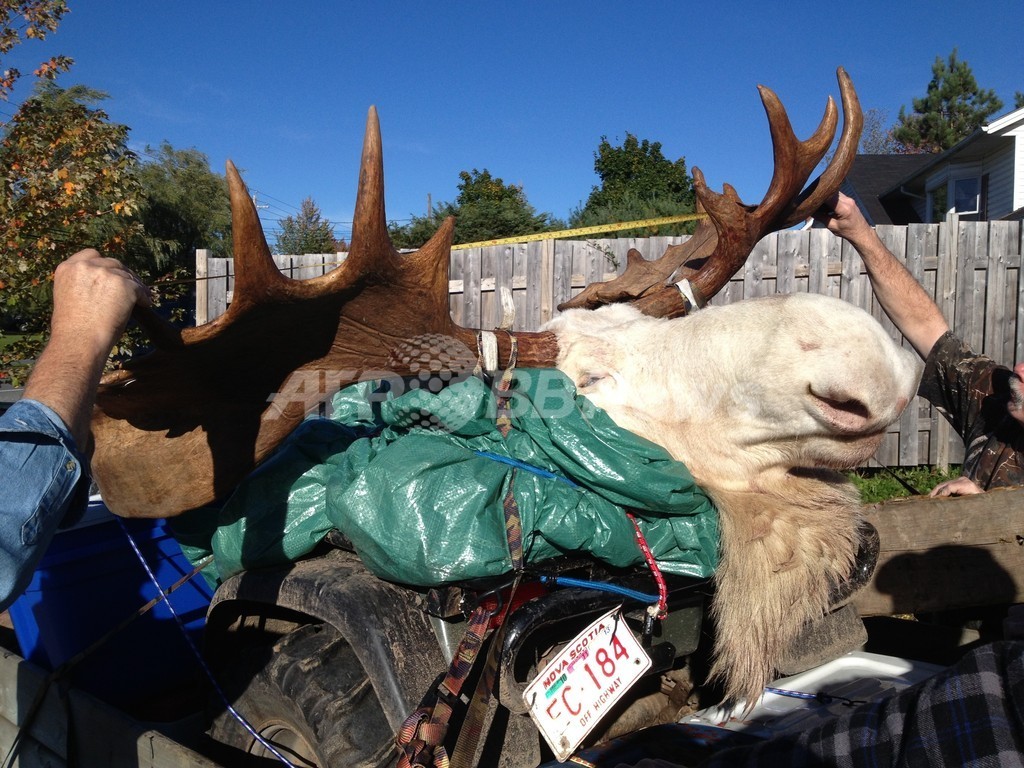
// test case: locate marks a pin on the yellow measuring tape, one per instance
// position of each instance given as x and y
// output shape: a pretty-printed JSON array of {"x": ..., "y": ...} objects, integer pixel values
[{"x": 579, "y": 231}]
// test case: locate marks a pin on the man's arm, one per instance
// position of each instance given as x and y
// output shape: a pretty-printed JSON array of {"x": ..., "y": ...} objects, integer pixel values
[
  {"x": 93, "y": 298},
  {"x": 906, "y": 303},
  {"x": 40, "y": 461}
]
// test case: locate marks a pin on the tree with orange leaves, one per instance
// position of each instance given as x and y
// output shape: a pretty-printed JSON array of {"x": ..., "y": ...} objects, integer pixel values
[{"x": 68, "y": 182}]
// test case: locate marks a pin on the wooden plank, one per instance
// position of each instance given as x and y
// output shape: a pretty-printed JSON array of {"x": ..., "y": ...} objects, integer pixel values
[
  {"x": 455, "y": 295},
  {"x": 945, "y": 442},
  {"x": 793, "y": 268},
  {"x": 309, "y": 265},
  {"x": 503, "y": 262},
  {"x": 284, "y": 264},
  {"x": 536, "y": 293},
  {"x": 488, "y": 305},
  {"x": 594, "y": 260},
  {"x": 517, "y": 275},
  {"x": 1000, "y": 311},
  {"x": 754, "y": 269},
  {"x": 472, "y": 304},
  {"x": 941, "y": 554},
  {"x": 822, "y": 247},
  {"x": 852, "y": 283},
  {"x": 202, "y": 315},
  {"x": 218, "y": 281},
  {"x": 544, "y": 264},
  {"x": 561, "y": 271},
  {"x": 102, "y": 735},
  {"x": 966, "y": 322},
  {"x": 31, "y": 753},
  {"x": 894, "y": 238}
]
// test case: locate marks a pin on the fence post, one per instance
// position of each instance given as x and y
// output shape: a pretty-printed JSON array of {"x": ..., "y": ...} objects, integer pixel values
[{"x": 202, "y": 287}]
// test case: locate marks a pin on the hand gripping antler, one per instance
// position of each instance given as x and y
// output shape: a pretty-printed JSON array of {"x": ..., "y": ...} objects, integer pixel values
[
  {"x": 180, "y": 427},
  {"x": 723, "y": 241}
]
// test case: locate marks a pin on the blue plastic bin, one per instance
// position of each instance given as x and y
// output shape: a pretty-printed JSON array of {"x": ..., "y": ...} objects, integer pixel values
[{"x": 88, "y": 582}]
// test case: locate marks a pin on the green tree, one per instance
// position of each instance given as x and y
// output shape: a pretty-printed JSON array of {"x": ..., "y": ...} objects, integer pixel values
[
  {"x": 637, "y": 182},
  {"x": 1018, "y": 99},
  {"x": 22, "y": 20},
  {"x": 184, "y": 206},
  {"x": 68, "y": 183},
  {"x": 486, "y": 209},
  {"x": 953, "y": 108},
  {"x": 306, "y": 232}
]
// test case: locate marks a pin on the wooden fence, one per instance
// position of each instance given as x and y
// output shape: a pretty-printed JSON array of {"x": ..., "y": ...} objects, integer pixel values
[{"x": 972, "y": 269}]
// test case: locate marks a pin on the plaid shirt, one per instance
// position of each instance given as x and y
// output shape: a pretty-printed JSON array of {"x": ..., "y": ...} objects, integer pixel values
[
  {"x": 971, "y": 714},
  {"x": 972, "y": 391}
]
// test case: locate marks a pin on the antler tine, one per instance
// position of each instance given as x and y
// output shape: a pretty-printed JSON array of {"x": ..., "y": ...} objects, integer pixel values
[
  {"x": 256, "y": 275},
  {"x": 369, "y": 226},
  {"x": 794, "y": 159},
  {"x": 826, "y": 184}
]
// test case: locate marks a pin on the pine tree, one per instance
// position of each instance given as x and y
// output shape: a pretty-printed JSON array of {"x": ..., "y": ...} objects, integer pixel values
[
  {"x": 307, "y": 232},
  {"x": 953, "y": 108}
]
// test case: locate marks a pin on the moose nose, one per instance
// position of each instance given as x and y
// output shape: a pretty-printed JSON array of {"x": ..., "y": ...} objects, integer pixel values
[{"x": 844, "y": 414}]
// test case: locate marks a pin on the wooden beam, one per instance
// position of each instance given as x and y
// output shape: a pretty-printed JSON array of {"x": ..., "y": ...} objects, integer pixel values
[{"x": 946, "y": 553}]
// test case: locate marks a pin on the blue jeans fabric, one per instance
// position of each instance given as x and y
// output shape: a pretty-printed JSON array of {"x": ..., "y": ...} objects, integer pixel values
[{"x": 44, "y": 485}]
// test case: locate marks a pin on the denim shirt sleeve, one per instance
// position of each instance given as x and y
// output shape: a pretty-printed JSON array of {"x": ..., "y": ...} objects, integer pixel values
[{"x": 44, "y": 483}]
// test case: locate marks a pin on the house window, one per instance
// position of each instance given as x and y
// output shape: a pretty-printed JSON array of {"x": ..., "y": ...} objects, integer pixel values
[{"x": 966, "y": 195}]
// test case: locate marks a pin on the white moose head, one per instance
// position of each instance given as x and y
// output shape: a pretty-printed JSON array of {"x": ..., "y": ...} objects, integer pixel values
[{"x": 762, "y": 400}]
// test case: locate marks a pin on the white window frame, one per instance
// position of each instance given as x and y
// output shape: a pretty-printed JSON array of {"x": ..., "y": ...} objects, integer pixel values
[{"x": 948, "y": 178}]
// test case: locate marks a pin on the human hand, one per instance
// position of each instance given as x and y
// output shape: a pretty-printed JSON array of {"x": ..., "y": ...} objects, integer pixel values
[
  {"x": 961, "y": 486},
  {"x": 841, "y": 216},
  {"x": 93, "y": 297}
]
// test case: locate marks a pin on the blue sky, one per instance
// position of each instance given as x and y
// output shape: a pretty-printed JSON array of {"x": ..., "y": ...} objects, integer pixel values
[{"x": 525, "y": 89}]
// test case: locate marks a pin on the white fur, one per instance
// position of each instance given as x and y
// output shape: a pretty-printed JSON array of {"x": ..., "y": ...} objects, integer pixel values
[{"x": 743, "y": 394}]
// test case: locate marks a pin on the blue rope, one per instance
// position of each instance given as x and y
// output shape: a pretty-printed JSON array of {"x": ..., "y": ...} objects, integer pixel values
[
  {"x": 821, "y": 697},
  {"x": 528, "y": 467},
  {"x": 601, "y": 586},
  {"x": 199, "y": 656}
]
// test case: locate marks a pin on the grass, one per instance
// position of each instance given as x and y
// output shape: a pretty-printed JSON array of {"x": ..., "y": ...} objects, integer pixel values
[{"x": 879, "y": 484}]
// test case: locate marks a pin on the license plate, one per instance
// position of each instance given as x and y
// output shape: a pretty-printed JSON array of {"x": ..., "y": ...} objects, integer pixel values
[{"x": 572, "y": 693}]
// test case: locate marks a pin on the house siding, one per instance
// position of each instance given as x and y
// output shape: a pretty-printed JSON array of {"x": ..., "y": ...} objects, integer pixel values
[{"x": 1001, "y": 182}]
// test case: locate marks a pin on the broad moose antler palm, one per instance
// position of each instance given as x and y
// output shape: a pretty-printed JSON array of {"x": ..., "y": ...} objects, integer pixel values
[{"x": 180, "y": 427}]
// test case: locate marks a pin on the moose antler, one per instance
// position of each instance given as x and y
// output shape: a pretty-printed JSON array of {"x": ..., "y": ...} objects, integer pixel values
[
  {"x": 180, "y": 427},
  {"x": 723, "y": 241}
]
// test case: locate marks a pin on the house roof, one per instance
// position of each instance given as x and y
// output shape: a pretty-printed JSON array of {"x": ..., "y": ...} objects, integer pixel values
[
  {"x": 872, "y": 176},
  {"x": 983, "y": 141}
]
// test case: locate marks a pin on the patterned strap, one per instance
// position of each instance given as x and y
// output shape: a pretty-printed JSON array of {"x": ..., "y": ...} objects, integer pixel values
[{"x": 421, "y": 737}]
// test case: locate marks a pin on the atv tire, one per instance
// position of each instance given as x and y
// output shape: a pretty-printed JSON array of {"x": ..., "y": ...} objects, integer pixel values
[{"x": 308, "y": 695}]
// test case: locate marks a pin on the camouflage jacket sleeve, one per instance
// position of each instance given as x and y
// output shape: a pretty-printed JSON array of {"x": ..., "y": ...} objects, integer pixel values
[{"x": 972, "y": 392}]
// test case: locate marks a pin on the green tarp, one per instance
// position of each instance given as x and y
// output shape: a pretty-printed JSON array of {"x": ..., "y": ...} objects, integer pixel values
[{"x": 416, "y": 480}]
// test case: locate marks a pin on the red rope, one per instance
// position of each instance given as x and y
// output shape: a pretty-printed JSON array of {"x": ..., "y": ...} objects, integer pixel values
[{"x": 653, "y": 565}]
